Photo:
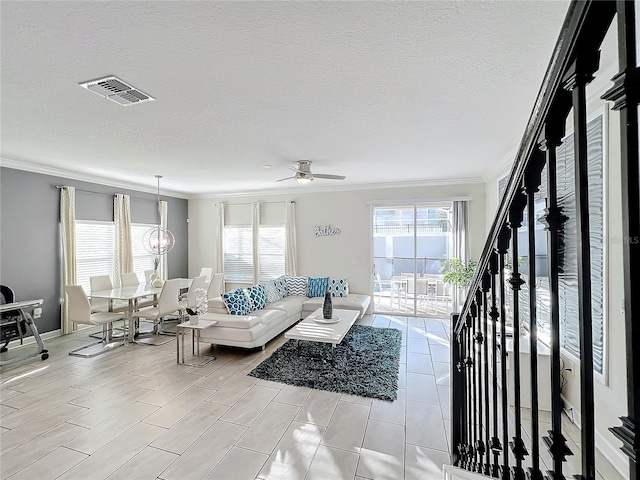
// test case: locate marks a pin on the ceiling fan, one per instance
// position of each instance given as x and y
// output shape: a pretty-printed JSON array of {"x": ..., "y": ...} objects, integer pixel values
[{"x": 304, "y": 175}]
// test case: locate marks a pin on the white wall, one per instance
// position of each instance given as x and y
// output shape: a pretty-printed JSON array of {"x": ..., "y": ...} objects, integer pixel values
[{"x": 347, "y": 254}]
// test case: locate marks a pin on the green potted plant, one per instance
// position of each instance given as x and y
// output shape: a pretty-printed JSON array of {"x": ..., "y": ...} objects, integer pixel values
[{"x": 458, "y": 274}]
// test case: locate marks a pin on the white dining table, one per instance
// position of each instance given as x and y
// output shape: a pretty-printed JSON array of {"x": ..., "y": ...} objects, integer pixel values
[{"x": 132, "y": 294}]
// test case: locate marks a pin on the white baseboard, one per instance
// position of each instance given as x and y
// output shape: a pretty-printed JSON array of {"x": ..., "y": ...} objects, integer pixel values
[
  {"x": 449, "y": 472},
  {"x": 613, "y": 454},
  {"x": 44, "y": 336},
  {"x": 572, "y": 412}
]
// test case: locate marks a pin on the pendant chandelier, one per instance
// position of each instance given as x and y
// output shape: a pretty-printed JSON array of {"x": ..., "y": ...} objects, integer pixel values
[{"x": 158, "y": 240}]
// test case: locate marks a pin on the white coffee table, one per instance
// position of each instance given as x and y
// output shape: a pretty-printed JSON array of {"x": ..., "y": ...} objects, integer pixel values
[
  {"x": 317, "y": 331},
  {"x": 181, "y": 331}
]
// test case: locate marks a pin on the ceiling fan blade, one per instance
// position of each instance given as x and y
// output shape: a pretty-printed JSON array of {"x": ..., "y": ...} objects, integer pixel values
[
  {"x": 294, "y": 169},
  {"x": 333, "y": 177},
  {"x": 288, "y": 178}
]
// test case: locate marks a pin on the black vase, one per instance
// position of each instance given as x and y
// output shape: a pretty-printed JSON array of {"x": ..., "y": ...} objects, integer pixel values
[{"x": 327, "y": 307}]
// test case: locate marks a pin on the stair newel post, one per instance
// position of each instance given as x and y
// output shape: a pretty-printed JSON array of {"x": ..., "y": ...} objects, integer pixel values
[
  {"x": 515, "y": 222},
  {"x": 457, "y": 395},
  {"x": 496, "y": 446},
  {"x": 554, "y": 221},
  {"x": 502, "y": 249},
  {"x": 486, "y": 286},
  {"x": 625, "y": 94},
  {"x": 478, "y": 339},
  {"x": 532, "y": 180}
]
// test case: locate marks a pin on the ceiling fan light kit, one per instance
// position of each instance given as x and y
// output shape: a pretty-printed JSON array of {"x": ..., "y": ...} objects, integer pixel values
[{"x": 304, "y": 175}]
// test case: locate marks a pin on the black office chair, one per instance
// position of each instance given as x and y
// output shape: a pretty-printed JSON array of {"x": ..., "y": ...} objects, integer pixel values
[{"x": 12, "y": 322}]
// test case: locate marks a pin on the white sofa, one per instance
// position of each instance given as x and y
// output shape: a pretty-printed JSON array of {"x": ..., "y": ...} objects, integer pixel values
[{"x": 256, "y": 329}]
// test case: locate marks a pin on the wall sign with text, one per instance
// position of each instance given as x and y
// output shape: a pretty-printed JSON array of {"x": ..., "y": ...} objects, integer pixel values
[{"x": 326, "y": 230}]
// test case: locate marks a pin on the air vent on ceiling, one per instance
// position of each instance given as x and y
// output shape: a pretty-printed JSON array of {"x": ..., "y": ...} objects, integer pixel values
[{"x": 114, "y": 89}]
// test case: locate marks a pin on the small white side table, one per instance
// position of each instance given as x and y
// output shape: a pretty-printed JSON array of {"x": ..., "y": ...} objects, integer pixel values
[{"x": 181, "y": 331}]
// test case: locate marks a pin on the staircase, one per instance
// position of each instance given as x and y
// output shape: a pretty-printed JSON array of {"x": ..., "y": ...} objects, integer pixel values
[{"x": 552, "y": 286}]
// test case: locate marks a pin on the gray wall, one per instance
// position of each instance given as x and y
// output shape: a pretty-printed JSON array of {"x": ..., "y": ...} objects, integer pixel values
[{"x": 30, "y": 257}]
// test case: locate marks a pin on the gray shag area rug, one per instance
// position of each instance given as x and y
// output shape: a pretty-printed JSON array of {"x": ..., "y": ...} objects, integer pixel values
[{"x": 365, "y": 363}]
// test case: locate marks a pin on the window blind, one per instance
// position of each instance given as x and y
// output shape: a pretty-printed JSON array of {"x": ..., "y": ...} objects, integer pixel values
[
  {"x": 238, "y": 253},
  {"x": 95, "y": 246},
  {"x": 142, "y": 260},
  {"x": 271, "y": 251},
  {"x": 568, "y": 280}
]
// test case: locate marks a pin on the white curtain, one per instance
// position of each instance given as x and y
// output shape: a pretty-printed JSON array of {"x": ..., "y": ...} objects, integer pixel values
[
  {"x": 256, "y": 242},
  {"x": 290, "y": 249},
  {"x": 163, "y": 208},
  {"x": 219, "y": 247},
  {"x": 124, "y": 249},
  {"x": 460, "y": 220},
  {"x": 68, "y": 231}
]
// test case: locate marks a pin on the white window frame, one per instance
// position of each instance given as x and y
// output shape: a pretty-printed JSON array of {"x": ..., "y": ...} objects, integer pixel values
[{"x": 266, "y": 259}]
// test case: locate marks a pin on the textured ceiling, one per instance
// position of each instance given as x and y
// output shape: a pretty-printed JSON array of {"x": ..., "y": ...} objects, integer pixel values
[{"x": 378, "y": 91}]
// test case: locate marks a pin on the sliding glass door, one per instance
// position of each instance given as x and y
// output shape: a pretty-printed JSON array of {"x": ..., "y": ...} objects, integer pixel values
[{"x": 410, "y": 242}]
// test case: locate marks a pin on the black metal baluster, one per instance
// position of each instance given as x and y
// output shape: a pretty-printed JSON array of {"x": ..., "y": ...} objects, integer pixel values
[
  {"x": 515, "y": 222},
  {"x": 496, "y": 447},
  {"x": 472, "y": 376},
  {"x": 479, "y": 340},
  {"x": 554, "y": 220},
  {"x": 625, "y": 94},
  {"x": 532, "y": 181},
  {"x": 469, "y": 392},
  {"x": 486, "y": 286},
  {"x": 579, "y": 75},
  {"x": 503, "y": 247},
  {"x": 466, "y": 362},
  {"x": 457, "y": 395}
]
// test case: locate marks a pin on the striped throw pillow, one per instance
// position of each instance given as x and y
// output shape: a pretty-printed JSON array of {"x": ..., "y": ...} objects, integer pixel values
[{"x": 317, "y": 286}]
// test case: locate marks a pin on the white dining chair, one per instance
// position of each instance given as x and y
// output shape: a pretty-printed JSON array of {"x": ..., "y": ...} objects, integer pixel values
[
  {"x": 79, "y": 310},
  {"x": 130, "y": 279},
  {"x": 189, "y": 298},
  {"x": 216, "y": 286},
  {"x": 167, "y": 304},
  {"x": 98, "y": 283},
  {"x": 207, "y": 272},
  {"x": 103, "y": 282}
]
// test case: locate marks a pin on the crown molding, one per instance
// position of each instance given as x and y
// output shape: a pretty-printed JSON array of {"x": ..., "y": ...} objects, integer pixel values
[
  {"x": 303, "y": 189},
  {"x": 342, "y": 188},
  {"x": 85, "y": 177},
  {"x": 501, "y": 165}
]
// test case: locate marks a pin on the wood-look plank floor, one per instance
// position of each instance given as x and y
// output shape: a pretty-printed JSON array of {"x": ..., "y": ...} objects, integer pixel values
[{"x": 135, "y": 414}]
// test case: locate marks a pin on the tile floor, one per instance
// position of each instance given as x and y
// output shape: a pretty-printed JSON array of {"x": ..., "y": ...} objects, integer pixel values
[{"x": 134, "y": 414}]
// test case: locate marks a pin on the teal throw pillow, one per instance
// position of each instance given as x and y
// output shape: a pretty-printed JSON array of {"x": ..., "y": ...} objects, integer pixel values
[
  {"x": 237, "y": 302},
  {"x": 317, "y": 286},
  {"x": 257, "y": 297}
]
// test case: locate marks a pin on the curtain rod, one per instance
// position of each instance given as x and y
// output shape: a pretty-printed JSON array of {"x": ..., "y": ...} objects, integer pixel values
[
  {"x": 251, "y": 203},
  {"x": 405, "y": 201},
  {"x": 107, "y": 194}
]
